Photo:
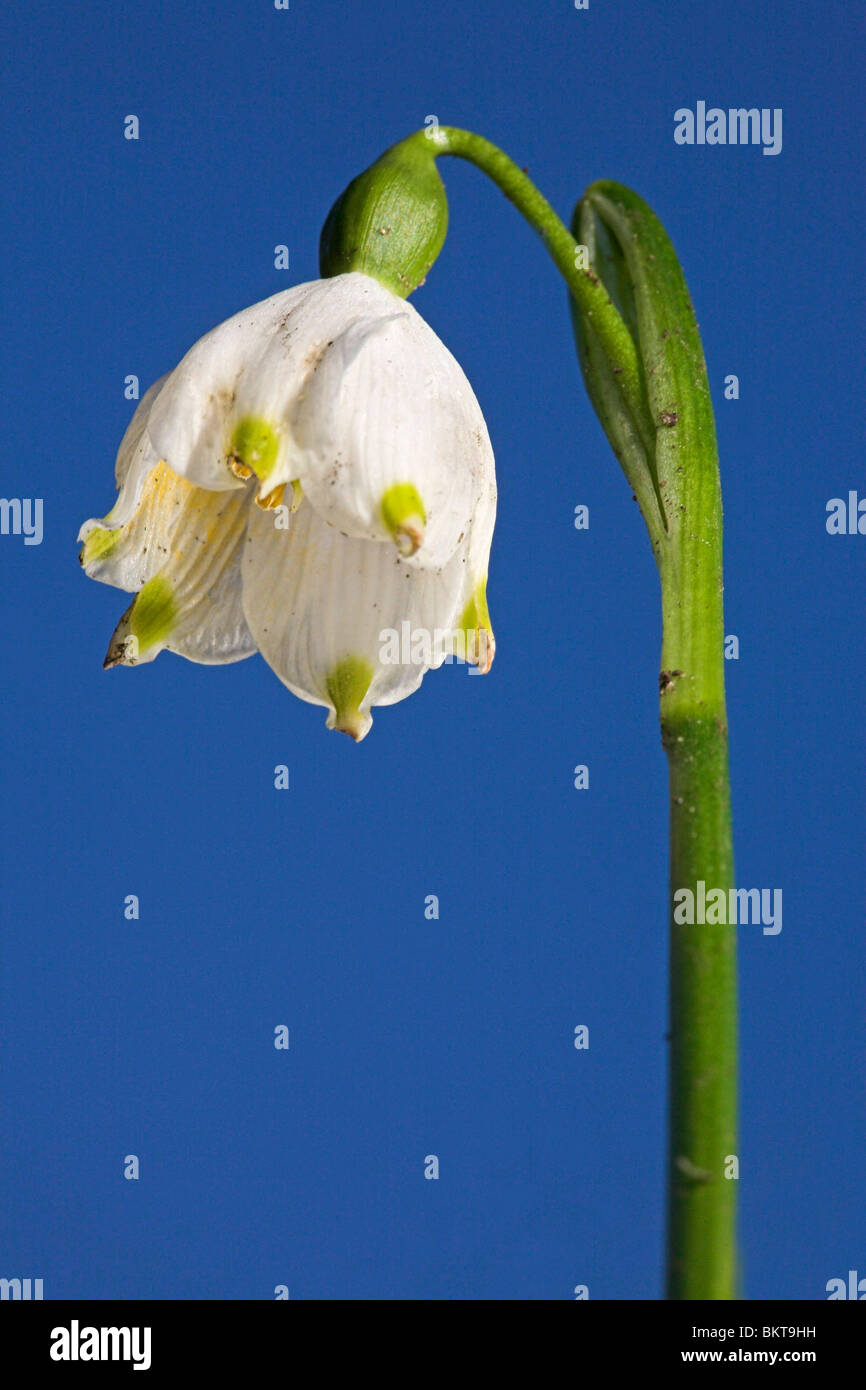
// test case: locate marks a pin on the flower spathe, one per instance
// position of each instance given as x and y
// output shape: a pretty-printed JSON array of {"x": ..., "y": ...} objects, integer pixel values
[{"x": 315, "y": 472}]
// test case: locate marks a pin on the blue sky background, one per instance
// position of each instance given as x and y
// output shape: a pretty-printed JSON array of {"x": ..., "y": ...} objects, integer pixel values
[{"x": 306, "y": 907}]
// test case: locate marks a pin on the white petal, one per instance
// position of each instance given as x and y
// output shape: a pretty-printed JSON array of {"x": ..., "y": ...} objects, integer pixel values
[
  {"x": 320, "y": 604},
  {"x": 180, "y": 552},
  {"x": 341, "y": 384},
  {"x": 270, "y": 388},
  {"x": 135, "y": 459},
  {"x": 237, "y": 386},
  {"x": 135, "y": 443},
  {"x": 203, "y": 620},
  {"x": 190, "y": 426},
  {"x": 390, "y": 439},
  {"x": 474, "y": 639}
]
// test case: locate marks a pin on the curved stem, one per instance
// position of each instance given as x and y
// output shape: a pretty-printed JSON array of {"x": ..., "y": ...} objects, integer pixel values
[{"x": 584, "y": 284}]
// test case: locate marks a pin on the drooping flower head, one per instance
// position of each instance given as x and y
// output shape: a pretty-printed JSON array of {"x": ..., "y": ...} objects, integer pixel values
[{"x": 315, "y": 473}]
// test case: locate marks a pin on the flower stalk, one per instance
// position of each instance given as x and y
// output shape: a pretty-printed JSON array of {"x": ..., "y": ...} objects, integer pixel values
[
  {"x": 680, "y": 497},
  {"x": 643, "y": 365}
]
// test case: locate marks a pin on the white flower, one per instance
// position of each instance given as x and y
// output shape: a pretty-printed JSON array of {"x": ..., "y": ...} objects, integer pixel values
[{"x": 334, "y": 402}]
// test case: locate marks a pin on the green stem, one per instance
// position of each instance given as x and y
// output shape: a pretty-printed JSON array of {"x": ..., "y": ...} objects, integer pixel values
[
  {"x": 703, "y": 1004},
  {"x": 583, "y": 283},
  {"x": 684, "y": 468},
  {"x": 646, "y": 375}
]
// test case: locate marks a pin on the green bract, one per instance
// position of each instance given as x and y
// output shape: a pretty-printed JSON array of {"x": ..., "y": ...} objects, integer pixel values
[
  {"x": 667, "y": 448},
  {"x": 391, "y": 220}
]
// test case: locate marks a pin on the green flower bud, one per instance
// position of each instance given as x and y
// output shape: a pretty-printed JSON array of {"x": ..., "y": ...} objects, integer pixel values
[{"x": 391, "y": 220}]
